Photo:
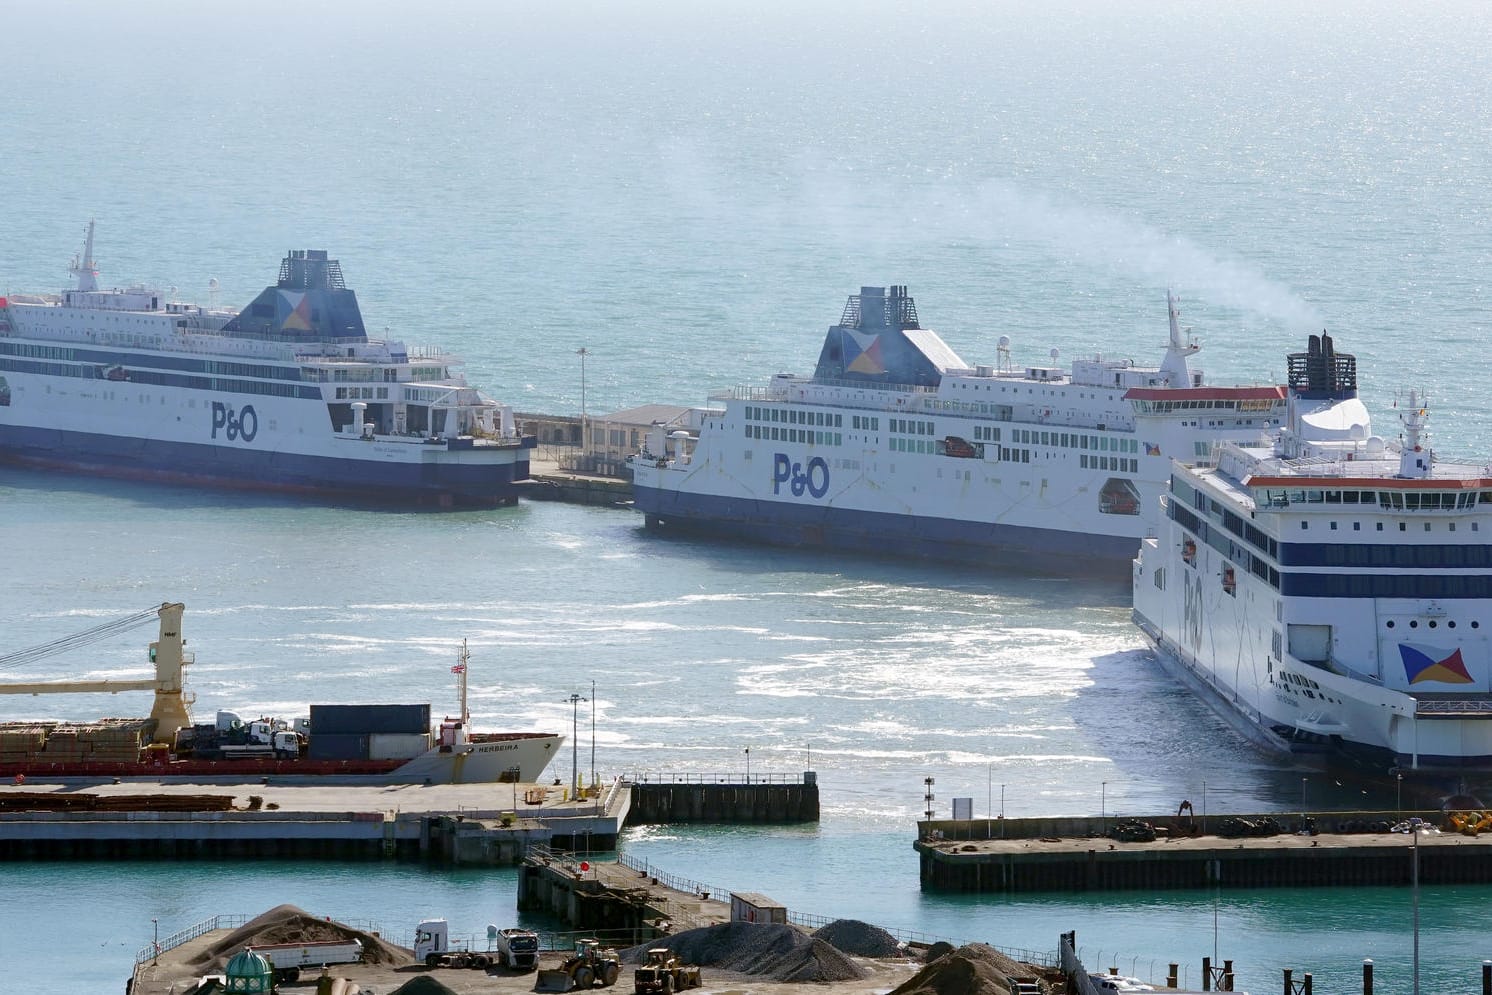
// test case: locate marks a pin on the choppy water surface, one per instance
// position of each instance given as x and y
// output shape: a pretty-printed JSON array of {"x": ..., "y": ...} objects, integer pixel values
[{"x": 690, "y": 192}]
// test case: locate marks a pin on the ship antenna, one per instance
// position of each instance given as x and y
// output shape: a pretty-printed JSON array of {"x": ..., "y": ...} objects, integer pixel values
[
  {"x": 84, "y": 268},
  {"x": 460, "y": 671}
]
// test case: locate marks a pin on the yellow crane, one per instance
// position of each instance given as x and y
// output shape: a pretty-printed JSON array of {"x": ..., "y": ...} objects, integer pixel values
[{"x": 171, "y": 709}]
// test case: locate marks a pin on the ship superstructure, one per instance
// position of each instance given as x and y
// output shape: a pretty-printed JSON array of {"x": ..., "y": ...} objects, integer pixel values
[
  {"x": 895, "y": 445},
  {"x": 1331, "y": 591},
  {"x": 288, "y": 394}
]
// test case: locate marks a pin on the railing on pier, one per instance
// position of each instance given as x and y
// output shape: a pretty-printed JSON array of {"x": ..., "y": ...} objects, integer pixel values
[
  {"x": 674, "y": 881},
  {"x": 668, "y": 777}
]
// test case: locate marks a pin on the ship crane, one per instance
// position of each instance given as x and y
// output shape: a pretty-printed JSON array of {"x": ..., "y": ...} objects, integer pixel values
[{"x": 171, "y": 708}]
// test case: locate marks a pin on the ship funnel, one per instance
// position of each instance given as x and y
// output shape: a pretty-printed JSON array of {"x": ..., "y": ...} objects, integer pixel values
[{"x": 359, "y": 412}]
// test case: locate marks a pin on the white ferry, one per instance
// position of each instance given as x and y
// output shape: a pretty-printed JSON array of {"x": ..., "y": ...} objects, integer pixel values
[
  {"x": 1330, "y": 592},
  {"x": 288, "y": 394},
  {"x": 895, "y": 445}
]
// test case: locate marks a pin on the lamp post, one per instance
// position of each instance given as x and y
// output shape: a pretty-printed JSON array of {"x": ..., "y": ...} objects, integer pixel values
[
  {"x": 1414, "y": 825},
  {"x": 593, "y": 732},
  {"x": 748, "y": 765},
  {"x": 156, "y": 946},
  {"x": 1103, "y": 807},
  {"x": 1398, "y": 793},
  {"x": 1204, "y": 808},
  {"x": 575, "y": 700},
  {"x": 585, "y": 434}
]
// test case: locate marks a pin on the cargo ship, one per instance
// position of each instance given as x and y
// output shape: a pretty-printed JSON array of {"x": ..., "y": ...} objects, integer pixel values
[
  {"x": 376, "y": 743},
  {"x": 290, "y": 394},
  {"x": 897, "y": 446},
  {"x": 1324, "y": 590}
]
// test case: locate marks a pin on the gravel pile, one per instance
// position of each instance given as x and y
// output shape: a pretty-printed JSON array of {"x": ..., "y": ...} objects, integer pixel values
[
  {"x": 974, "y": 969},
  {"x": 776, "y": 952},
  {"x": 288, "y": 924},
  {"x": 852, "y": 936},
  {"x": 423, "y": 985}
]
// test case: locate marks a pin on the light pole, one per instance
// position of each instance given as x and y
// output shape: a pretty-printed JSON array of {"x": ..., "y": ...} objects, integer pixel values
[
  {"x": 156, "y": 946},
  {"x": 1414, "y": 825},
  {"x": 748, "y": 765},
  {"x": 1204, "y": 808},
  {"x": 1398, "y": 793},
  {"x": 1103, "y": 806},
  {"x": 575, "y": 700},
  {"x": 585, "y": 434},
  {"x": 593, "y": 733}
]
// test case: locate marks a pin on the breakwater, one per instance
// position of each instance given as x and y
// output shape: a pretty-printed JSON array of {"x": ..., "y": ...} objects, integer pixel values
[
  {"x": 1076, "y": 855},
  {"x": 768, "y": 798}
]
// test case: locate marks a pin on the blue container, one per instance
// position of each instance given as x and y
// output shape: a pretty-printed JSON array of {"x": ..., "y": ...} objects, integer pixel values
[
  {"x": 335, "y": 746},
  {"x": 339, "y": 720}
]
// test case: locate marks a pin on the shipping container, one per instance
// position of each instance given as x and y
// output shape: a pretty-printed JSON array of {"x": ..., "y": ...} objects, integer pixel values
[
  {"x": 397, "y": 745},
  {"x": 352, "y": 746},
  {"x": 363, "y": 719}
]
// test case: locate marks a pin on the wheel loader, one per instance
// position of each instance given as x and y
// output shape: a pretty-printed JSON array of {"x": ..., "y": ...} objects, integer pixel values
[
  {"x": 662, "y": 974},
  {"x": 590, "y": 965}
]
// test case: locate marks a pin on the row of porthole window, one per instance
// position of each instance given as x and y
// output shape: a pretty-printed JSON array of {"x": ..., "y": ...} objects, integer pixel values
[{"x": 1414, "y": 624}]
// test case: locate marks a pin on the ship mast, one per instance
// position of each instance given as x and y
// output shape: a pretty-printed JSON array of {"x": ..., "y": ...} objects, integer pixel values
[
  {"x": 84, "y": 268},
  {"x": 460, "y": 671},
  {"x": 1174, "y": 365}
]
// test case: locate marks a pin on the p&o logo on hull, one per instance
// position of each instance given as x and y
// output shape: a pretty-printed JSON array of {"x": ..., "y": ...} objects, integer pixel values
[
  {"x": 814, "y": 478},
  {"x": 241, "y": 424}
]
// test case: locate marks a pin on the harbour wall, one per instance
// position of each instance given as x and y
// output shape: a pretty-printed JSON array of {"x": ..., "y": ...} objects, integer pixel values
[
  {"x": 771, "y": 798},
  {"x": 1071, "y": 855}
]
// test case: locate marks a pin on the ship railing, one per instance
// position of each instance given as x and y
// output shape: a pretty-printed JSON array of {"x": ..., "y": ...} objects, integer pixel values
[{"x": 1453, "y": 706}]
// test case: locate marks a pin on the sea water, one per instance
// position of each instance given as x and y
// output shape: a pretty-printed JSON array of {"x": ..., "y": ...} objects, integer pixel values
[{"x": 689, "y": 192}]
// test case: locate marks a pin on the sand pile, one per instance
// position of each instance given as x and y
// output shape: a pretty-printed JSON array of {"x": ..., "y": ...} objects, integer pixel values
[
  {"x": 861, "y": 939},
  {"x": 974, "y": 969},
  {"x": 423, "y": 985},
  {"x": 780, "y": 953},
  {"x": 288, "y": 924}
]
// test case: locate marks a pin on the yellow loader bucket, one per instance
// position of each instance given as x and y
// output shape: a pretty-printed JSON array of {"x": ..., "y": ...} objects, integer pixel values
[{"x": 554, "y": 979}]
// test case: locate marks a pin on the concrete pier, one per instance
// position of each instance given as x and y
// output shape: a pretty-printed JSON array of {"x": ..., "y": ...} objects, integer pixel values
[
  {"x": 961, "y": 857},
  {"x": 298, "y": 818},
  {"x": 614, "y": 898}
]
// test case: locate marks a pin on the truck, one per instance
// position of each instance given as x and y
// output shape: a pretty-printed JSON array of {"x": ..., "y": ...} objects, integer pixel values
[
  {"x": 518, "y": 948},
  {"x": 432, "y": 945},
  {"x": 591, "y": 964},
  {"x": 662, "y": 974},
  {"x": 231, "y": 738},
  {"x": 287, "y": 959}
]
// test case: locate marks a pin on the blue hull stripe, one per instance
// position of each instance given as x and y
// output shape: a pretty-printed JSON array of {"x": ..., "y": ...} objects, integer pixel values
[
  {"x": 880, "y": 533},
  {"x": 464, "y": 483}
]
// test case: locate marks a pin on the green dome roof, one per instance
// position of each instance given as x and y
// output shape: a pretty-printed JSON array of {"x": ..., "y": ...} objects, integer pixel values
[{"x": 249, "y": 972}]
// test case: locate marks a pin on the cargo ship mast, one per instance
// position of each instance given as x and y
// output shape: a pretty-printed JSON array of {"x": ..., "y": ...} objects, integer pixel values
[{"x": 171, "y": 710}]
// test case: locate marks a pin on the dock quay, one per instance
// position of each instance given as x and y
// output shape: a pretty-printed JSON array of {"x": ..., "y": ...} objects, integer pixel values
[
  {"x": 1338, "y": 849},
  {"x": 301, "y": 818},
  {"x": 333, "y": 818}
]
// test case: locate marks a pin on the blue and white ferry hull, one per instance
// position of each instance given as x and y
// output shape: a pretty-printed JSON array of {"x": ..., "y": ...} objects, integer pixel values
[{"x": 287, "y": 395}]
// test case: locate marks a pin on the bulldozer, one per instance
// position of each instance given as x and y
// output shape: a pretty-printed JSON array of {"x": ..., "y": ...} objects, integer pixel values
[
  {"x": 662, "y": 974},
  {"x": 590, "y": 964}
]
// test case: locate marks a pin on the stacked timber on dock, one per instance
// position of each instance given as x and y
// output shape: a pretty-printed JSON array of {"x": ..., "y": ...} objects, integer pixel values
[{"x": 962, "y": 856}]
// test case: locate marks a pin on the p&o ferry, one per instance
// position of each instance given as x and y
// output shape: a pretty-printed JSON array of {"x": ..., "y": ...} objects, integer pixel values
[
  {"x": 895, "y": 445},
  {"x": 1330, "y": 591},
  {"x": 288, "y": 394}
]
